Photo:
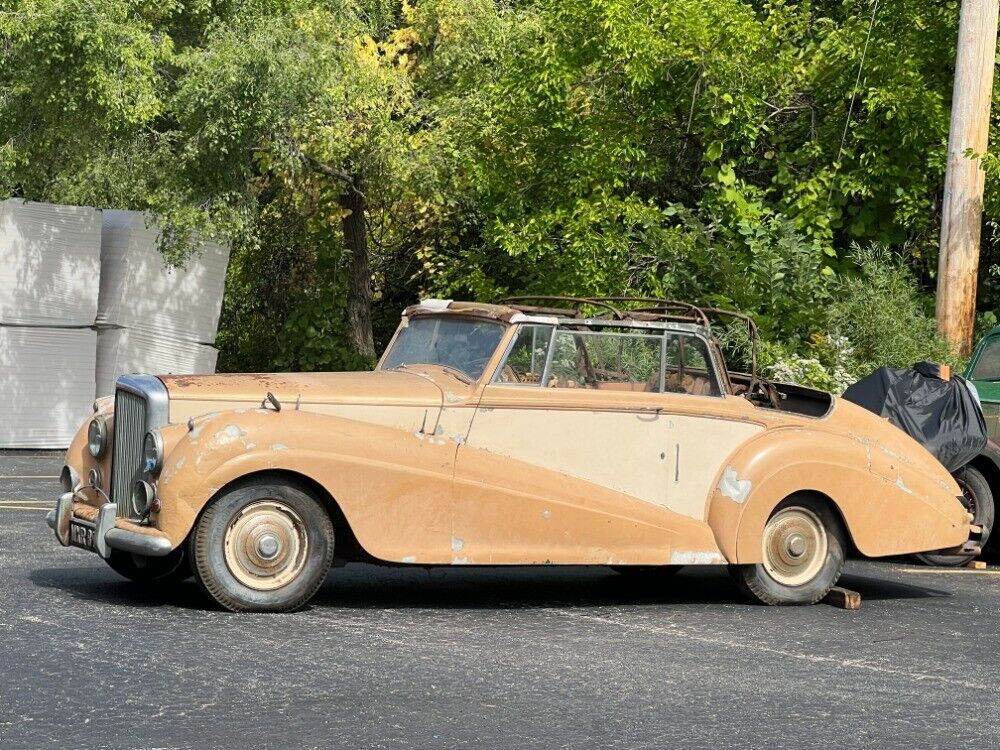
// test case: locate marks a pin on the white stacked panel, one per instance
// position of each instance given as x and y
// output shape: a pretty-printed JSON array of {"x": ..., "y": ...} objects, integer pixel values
[
  {"x": 139, "y": 291},
  {"x": 121, "y": 351},
  {"x": 50, "y": 264},
  {"x": 46, "y": 385}
]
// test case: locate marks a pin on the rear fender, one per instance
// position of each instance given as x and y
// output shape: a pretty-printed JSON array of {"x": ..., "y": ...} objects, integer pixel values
[{"x": 915, "y": 510}]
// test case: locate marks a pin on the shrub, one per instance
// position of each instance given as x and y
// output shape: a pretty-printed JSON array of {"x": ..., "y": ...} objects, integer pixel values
[{"x": 887, "y": 318}]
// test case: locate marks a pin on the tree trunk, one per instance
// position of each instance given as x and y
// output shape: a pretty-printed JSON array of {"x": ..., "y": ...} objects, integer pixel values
[
  {"x": 961, "y": 214},
  {"x": 359, "y": 285}
]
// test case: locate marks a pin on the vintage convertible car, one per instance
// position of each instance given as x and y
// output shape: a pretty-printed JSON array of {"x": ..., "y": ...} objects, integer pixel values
[{"x": 577, "y": 432}]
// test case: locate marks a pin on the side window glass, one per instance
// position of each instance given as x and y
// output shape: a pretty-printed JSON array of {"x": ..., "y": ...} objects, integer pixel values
[
  {"x": 526, "y": 361},
  {"x": 605, "y": 361},
  {"x": 988, "y": 365},
  {"x": 688, "y": 367}
]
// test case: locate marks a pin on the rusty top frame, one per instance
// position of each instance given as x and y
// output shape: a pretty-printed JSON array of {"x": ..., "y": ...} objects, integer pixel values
[{"x": 640, "y": 308}]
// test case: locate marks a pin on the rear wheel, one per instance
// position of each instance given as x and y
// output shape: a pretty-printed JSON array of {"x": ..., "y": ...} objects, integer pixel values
[
  {"x": 803, "y": 555},
  {"x": 977, "y": 497},
  {"x": 172, "y": 568},
  {"x": 262, "y": 547}
]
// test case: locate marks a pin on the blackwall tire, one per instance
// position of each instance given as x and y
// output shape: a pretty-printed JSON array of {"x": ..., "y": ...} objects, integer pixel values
[
  {"x": 980, "y": 502},
  {"x": 167, "y": 570},
  {"x": 789, "y": 576},
  {"x": 264, "y": 546}
]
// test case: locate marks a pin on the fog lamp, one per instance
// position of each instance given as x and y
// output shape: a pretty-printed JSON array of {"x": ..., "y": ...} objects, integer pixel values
[
  {"x": 143, "y": 496},
  {"x": 69, "y": 478}
]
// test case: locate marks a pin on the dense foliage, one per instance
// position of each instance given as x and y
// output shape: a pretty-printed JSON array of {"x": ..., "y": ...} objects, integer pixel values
[{"x": 783, "y": 158}]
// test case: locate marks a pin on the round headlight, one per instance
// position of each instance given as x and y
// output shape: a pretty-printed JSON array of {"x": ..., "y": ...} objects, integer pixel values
[
  {"x": 69, "y": 479},
  {"x": 97, "y": 436},
  {"x": 142, "y": 498},
  {"x": 152, "y": 452}
]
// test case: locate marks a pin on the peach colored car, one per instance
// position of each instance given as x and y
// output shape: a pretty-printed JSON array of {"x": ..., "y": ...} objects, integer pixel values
[{"x": 587, "y": 432}]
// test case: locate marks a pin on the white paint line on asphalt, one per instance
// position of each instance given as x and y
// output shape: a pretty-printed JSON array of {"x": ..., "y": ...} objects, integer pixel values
[
  {"x": 938, "y": 571},
  {"x": 29, "y": 501},
  {"x": 28, "y": 476},
  {"x": 674, "y": 631},
  {"x": 24, "y": 507}
]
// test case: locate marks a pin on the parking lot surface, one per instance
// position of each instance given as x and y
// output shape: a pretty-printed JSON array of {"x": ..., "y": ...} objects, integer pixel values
[{"x": 481, "y": 658}]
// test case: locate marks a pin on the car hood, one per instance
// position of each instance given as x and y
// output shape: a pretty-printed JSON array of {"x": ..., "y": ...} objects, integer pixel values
[{"x": 411, "y": 388}]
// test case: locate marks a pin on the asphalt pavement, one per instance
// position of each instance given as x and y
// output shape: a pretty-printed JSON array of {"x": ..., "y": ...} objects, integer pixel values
[{"x": 483, "y": 658}]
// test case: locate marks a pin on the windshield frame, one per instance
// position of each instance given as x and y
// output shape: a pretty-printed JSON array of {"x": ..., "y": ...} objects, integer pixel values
[{"x": 488, "y": 367}]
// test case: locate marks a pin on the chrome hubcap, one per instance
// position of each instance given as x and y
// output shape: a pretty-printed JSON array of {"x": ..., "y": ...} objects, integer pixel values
[
  {"x": 794, "y": 546},
  {"x": 266, "y": 545}
]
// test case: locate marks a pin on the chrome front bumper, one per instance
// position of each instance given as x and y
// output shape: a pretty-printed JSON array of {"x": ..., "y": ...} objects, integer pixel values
[{"x": 102, "y": 535}]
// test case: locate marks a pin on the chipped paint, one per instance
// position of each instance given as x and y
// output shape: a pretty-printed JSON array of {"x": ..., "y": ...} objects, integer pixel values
[
  {"x": 228, "y": 434},
  {"x": 456, "y": 544},
  {"x": 733, "y": 487},
  {"x": 409, "y": 559},
  {"x": 902, "y": 485},
  {"x": 459, "y": 561},
  {"x": 279, "y": 447},
  {"x": 696, "y": 558},
  {"x": 546, "y": 514}
]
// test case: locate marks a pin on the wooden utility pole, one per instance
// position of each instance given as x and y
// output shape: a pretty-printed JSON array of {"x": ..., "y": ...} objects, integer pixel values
[{"x": 961, "y": 216}]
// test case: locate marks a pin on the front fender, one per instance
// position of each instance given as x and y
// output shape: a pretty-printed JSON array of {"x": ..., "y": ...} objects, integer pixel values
[
  {"x": 890, "y": 503},
  {"x": 386, "y": 481}
]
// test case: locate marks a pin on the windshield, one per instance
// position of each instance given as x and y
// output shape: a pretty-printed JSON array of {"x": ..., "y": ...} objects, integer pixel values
[{"x": 460, "y": 343}]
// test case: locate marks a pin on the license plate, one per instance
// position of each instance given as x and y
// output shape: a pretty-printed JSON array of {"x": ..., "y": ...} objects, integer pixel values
[{"x": 82, "y": 536}]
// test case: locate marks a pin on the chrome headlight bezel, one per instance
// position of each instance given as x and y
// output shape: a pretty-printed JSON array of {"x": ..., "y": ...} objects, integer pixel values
[
  {"x": 97, "y": 436},
  {"x": 152, "y": 452}
]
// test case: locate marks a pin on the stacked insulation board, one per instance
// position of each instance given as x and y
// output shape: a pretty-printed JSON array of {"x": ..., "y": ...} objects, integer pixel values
[
  {"x": 49, "y": 273},
  {"x": 125, "y": 350},
  {"x": 85, "y": 297},
  {"x": 152, "y": 317},
  {"x": 47, "y": 382}
]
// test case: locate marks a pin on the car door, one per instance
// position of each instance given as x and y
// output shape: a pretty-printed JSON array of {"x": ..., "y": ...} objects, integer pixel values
[{"x": 588, "y": 447}]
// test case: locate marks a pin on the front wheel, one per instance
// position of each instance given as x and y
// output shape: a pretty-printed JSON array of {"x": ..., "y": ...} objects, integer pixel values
[
  {"x": 803, "y": 555},
  {"x": 262, "y": 547}
]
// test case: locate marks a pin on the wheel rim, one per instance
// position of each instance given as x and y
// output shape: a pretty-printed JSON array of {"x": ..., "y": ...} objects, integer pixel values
[
  {"x": 795, "y": 546},
  {"x": 969, "y": 499},
  {"x": 266, "y": 545}
]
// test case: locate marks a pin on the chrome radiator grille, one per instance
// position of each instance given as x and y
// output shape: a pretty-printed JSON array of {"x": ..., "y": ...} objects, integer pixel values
[{"x": 126, "y": 461}]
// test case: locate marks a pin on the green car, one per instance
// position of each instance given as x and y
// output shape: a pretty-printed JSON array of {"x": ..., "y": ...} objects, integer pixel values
[
  {"x": 984, "y": 373},
  {"x": 980, "y": 478}
]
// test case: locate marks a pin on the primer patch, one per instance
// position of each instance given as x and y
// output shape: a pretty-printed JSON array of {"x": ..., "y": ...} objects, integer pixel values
[
  {"x": 696, "y": 558},
  {"x": 733, "y": 487},
  {"x": 228, "y": 434}
]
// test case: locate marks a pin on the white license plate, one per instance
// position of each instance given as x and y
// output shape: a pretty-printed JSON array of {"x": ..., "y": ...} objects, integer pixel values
[{"x": 82, "y": 536}]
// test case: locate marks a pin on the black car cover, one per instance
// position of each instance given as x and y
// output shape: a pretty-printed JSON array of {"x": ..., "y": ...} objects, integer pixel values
[{"x": 941, "y": 413}]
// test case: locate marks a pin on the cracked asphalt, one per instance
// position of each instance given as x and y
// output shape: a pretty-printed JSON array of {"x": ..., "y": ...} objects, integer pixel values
[{"x": 482, "y": 658}]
